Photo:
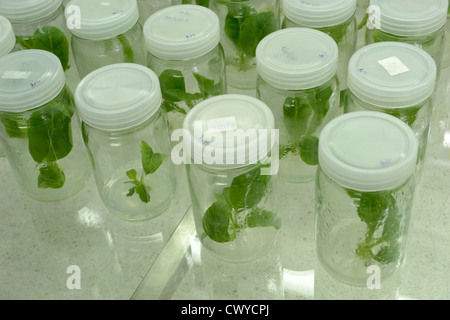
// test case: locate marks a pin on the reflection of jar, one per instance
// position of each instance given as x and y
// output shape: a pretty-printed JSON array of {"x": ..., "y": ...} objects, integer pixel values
[
  {"x": 335, "y": 18},
  {"x": 107, "y": 34},
  {"x": 243, "y": 24},
  {"x": 127, "y": 137},
  {"x": 41, "y": 25},
  {"x": 364, "y": 195},
  {"x": 184, "y": 51},
  {"x": 417, "y": 22},
  {"x": 228, "y": 146},
  {"x": 7, "y": 42},
  {"x": 398, "y": 79},
  {"x": 39, "y": 126},
  {"x": 301, "y": 88}
]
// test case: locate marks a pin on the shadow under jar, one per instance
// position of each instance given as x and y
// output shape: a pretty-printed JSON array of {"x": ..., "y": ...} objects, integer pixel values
[
  {"x": 107, "y": 34},
  {"x": 39, "y": 126},
  {"x": 127, "y": 138}
]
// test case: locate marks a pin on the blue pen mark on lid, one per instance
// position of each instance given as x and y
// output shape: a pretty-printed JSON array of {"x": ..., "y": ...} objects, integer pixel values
[
  {"x": 35, "y": 83},
  {"x": 385, "y": 162}
]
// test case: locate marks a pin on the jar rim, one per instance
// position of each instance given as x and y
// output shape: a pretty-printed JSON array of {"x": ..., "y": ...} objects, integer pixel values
[
  {"x": 28, "y": 10},
  {"x": 7, "y": 37}
]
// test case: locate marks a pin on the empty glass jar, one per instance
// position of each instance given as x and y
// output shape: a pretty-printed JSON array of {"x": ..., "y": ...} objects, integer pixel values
[
  {"x": 228, "y": 145},
  {"x": 243, "y": 24},
  {"x": 127, "y": 138},
  {"x": 398, "y": 79},
  {"x": 185, "y": 52},
  {"x": 335, "y": 18},
  {"x": 417, "y": 22},
  {"x": 302, "y": 90},
  {"x": 364, "y": 194},
  {"x": 39, "y": 126},
  {"x": 106, "y": 34}
]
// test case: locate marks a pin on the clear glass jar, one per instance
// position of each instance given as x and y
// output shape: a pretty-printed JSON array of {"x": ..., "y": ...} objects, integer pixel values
[
  {"x": 185, "y": 52},
  {"x": 302, "y": 90},
  {"x": 149, "y": 7},
  {"x": 243, "y": 24},
  {"x": 127, "y": 138},
  {"x": 364, "y": 194},
  {"x": 42, "y": 25},
  {"x": 7, "y": 42},
  {"x": 398, "y": 79},
  {"x": 39, "y": 126},
  {"x": 106, "y": 35},
  {"x": 228, "y": 150},
  {"x": 335, "y": 18},
  {"x": 420, "y": 23}
]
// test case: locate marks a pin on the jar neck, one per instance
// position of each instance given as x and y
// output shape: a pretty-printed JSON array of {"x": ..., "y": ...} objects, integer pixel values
[{"x": 24, "y": 28}]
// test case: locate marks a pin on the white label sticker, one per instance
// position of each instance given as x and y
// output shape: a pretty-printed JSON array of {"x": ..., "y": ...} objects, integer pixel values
[
  {"x": 393, "y": 66},
  {"x": 222, "y": 124}
]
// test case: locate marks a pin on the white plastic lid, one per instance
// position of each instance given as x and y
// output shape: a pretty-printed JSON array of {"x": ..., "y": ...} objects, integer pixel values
[
  {"x": 182, "y": 32},
  {"x": 227, "y": 117},
  {"x": 319, "y": 13},
  {"x": 392, "y": 74},
  {"x": 368, "y": 151},
  {"x": 296, "y": 58},
  {"x": 27, "y": 10},
  {"x": 411, "y": 17},
  {"x": 103, "y": 19},
  {"x": 29, "y": 79},
  {"x": 7, "y": 37},
  {"x": 118, "y": 96}
]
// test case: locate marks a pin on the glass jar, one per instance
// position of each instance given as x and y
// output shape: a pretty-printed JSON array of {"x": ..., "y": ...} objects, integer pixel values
[
  {"x": 243, "y": 24},
  {"x": 335, "y": 18},
  {"x": 302, "y": 90},
  {"x": 417, "y": 22},
  {"x": 42, "y": 25},
  {"x": 126, "y": 135},
  {"x": 39, "y": 126},
  {"x": 185, "y": 52},
  {"x": 228, "y": 144},
  {"x": 398, "y": 79},
  {"x": 364, "y": 194},
  {"x": 7, "y": 43},
  {"x": 107, "y": 34}
]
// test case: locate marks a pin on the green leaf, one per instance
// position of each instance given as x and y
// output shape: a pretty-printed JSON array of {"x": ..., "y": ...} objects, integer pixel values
[
  {"x": 297, "y": 112},
  {"x": 132, "y": 174},
  {"x": 126, "y": 48},
  {"x": 52, "y": 39},
  {"x": 150, "y": 161},
  {"x": 172, "y": 106},
  {"x": 50, "y": 133},
  {"x": 208, "y": 87},
  {"x": 378, "y": 211},
  {"x": 407, "y": 115},
  {"x": 309, "y": 150},
  {"x": 51, "y": 176},
  {"x": 247, "y": 190},
  {"x": 15, "y": 127},
  {"x": 262, "y": 218},
  {"x": 142, "y": 191},
  {"x": 254, "y": 29},
  {"x": 217, "y": 222},
  {"x": 173, "y": 86}
]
